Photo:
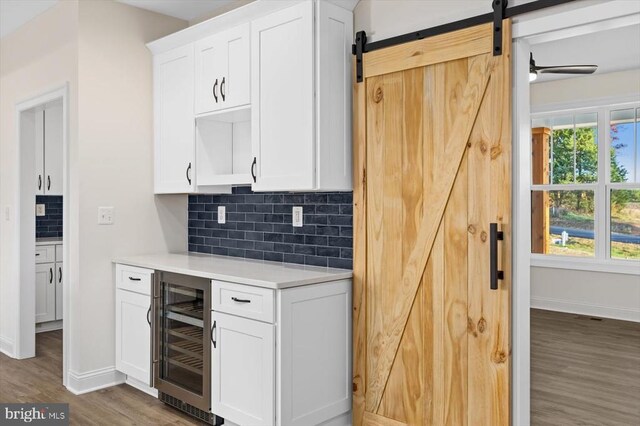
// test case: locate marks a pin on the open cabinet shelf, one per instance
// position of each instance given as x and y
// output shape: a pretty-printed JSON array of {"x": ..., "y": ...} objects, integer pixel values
[{"x": 223, "y": 147}]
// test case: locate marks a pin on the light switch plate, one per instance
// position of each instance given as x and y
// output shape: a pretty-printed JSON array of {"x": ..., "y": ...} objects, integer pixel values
[
  {"x": 222, "y": 214},
  {"x": 105, "y": 215},
  {"x": 297, "y": 216},
  {"x": 40, "y": 210}
]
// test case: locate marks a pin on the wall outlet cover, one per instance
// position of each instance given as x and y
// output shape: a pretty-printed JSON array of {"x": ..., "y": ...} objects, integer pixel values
[
  {"x": 40, "y": 210},
  {"x": 105, "y": 215},
  {"x": 297, "y": 216},
  {"x": 222, "y": 214}
]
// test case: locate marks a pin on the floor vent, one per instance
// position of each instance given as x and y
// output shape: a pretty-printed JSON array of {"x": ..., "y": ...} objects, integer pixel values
[{"x": 208, "y": 418}]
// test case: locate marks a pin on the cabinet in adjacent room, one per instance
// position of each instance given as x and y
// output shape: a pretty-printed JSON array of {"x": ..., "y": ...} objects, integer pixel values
[
  {"x": 49, "y": 270},
  {"x": 48, "y": 153}
]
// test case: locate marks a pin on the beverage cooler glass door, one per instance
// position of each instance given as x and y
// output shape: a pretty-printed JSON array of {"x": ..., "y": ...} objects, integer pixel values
[{"x": 182, "y": 352}]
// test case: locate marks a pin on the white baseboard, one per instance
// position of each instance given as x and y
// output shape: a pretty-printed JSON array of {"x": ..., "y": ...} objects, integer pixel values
[
  {"x": 141, "y": 386},
  {"x": 573, "y": 307},
  {"x": 43, "y": 327},
  {"x": 79, "y": 383},
  {"x": 6, "y": 347}
]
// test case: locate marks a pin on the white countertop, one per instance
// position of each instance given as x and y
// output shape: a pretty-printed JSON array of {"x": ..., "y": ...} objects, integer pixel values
[
  {"x": 259, "y": 273},
  {"x": 48, "y": 241}
]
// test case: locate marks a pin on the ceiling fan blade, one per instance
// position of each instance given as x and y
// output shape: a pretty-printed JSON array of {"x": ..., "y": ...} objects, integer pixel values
[{"x": 568, "y": 69}]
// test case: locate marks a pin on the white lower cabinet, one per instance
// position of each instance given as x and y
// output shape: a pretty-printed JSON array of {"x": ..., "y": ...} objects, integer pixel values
[
  {"x": 48, "y": 282},
  {"x": 292, "y": 368},
  {"x": 45, "y": 292},
  {"x": 133, "y": 323},
  {"x": 243, "y": 370}
]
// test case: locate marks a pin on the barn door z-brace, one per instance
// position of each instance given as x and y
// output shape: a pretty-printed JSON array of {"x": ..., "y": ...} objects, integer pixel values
[{"x": 500, "y": 12}]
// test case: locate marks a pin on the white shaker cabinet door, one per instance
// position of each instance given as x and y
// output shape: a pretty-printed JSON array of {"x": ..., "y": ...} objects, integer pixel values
[
  {"x": 45, "y": 292},
  {"x": 133, "y": 335},
  {"x": 52, "y": 179},
  {"x": 174, "y": 125},
  {"x": 242, "y": 371},
  {"x": 282, "y": 95}
]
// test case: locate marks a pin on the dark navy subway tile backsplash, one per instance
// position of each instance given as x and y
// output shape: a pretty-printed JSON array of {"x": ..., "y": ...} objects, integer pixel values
[
  {"x": 258, "y": 226},
  {"x": 49, "y": 225}
]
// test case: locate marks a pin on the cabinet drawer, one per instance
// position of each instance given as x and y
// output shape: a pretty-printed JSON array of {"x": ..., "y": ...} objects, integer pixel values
[
  {"x": 243, "y": 300},
  {"x": 59, "y": 253},
  {"x": 134, "y": 279},
  {"x": 45, "y": 254}
]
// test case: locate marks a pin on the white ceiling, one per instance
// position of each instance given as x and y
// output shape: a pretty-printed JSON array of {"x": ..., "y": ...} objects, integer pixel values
[
  {"x": 15, "y": 13},
  {"x": 183, "y": 9},
  {"x": 612, "y": 50}
]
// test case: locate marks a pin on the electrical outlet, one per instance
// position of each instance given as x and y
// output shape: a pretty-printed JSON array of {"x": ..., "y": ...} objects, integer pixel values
[
  {"x": 222, "y": 214},
  {"x": 297, "y": 216},
  {"x": 40, "y": 210},
  {"x": 105, "y": 215}
]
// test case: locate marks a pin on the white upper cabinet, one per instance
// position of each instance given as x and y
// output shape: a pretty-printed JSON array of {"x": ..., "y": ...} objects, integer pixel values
[
  {"x": 174, "y": 127},
  {"x": 48, "y": 133},
  {"x": 260, "y": 96},
  {"x": 301, "y": 98},
  {"x": 222, "y": 70}
]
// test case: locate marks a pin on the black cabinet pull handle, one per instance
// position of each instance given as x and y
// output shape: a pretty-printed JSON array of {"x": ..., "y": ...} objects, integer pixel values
[
  {"x": 222, "y": 89},
  {"x": 37, "y": 254},
  {"x": 494, "y": 237},
  {"x": 134, "y": 279},
  {"x": 59, "y": 274},
  {"x": 235, "y": 299},
  {"x": 148, "y": 317},
  {"x": 188, "y": 173},
  {"x": 253, "y": 169},
  {"x": 213, "y": 329},
  {"x": 50, "y": 275},
  {"x": 48, "y": 182},
  {"x": 215, "y": 86},
  {"x": 39, "y": 181}
]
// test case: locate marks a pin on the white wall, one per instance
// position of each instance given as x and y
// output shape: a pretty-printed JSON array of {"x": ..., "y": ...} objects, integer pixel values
[
  {"x": 33, "y": 59},
  {"x": 585, "y": 292},
  {"x": 115, "y": 167}
]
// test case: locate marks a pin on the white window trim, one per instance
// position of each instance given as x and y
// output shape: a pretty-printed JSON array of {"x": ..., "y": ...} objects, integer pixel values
[{"x": 601, "y": 261}]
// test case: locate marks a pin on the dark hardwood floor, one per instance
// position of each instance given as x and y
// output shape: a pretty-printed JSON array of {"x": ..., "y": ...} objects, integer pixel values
[
  {"x": 39, "y": 379},
  {"x": 584, "y": 371}
]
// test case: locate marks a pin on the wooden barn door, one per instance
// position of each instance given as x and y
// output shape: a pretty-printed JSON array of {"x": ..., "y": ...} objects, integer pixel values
[{"x": 432, "y": 158}]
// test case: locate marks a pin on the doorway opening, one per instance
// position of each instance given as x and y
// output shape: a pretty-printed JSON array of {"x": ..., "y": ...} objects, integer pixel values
[{"x": 42, "y": 217}]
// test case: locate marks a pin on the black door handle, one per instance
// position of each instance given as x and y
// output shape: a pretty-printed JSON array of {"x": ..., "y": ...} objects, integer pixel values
[
  {"x": 215, "y": 86},
  {"x": 59, "y": 274},
  {"x": 188, "y": 173},
  {"x": 148, "y": 318},
  {"x": 134, "y": 279},
  {"x": 222, "y": 89},
  {"x": 496, "y": 275},
  {"x": 39, "y": 181},
  {"x": 50, "y": 275},
  {"x": 253, "y": 169},
  {"x": 213, "y": 329},
  {"x": 48, "y": 182},
  {"x": 235, "y": 299}
]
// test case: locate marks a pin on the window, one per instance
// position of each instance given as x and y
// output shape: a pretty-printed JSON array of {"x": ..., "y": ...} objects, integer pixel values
[{"x": 585, "y": 194}]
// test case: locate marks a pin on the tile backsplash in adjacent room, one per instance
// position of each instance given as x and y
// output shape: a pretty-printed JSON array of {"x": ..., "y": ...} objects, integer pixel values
[
  {"x": 258, "y": 226},
  {"x": 49, "y": 225}
]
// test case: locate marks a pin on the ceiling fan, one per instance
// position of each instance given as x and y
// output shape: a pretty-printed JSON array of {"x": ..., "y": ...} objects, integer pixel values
[{"x": 534, "y": 69}]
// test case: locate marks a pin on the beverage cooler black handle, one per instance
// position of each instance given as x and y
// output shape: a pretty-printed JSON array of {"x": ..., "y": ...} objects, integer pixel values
[
  {"x": 213, "y": 329},
  {"x": 494, "y": 237}
]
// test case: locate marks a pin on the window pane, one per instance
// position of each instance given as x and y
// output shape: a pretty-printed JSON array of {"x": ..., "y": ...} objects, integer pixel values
[
  {"x": 624, "y": 146},
  {"x": 625, "y": 224},
  {"x": 562, "y": 151},
  {"x": 562, "y": 223},
  {"x": 586, "y": 157}
]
